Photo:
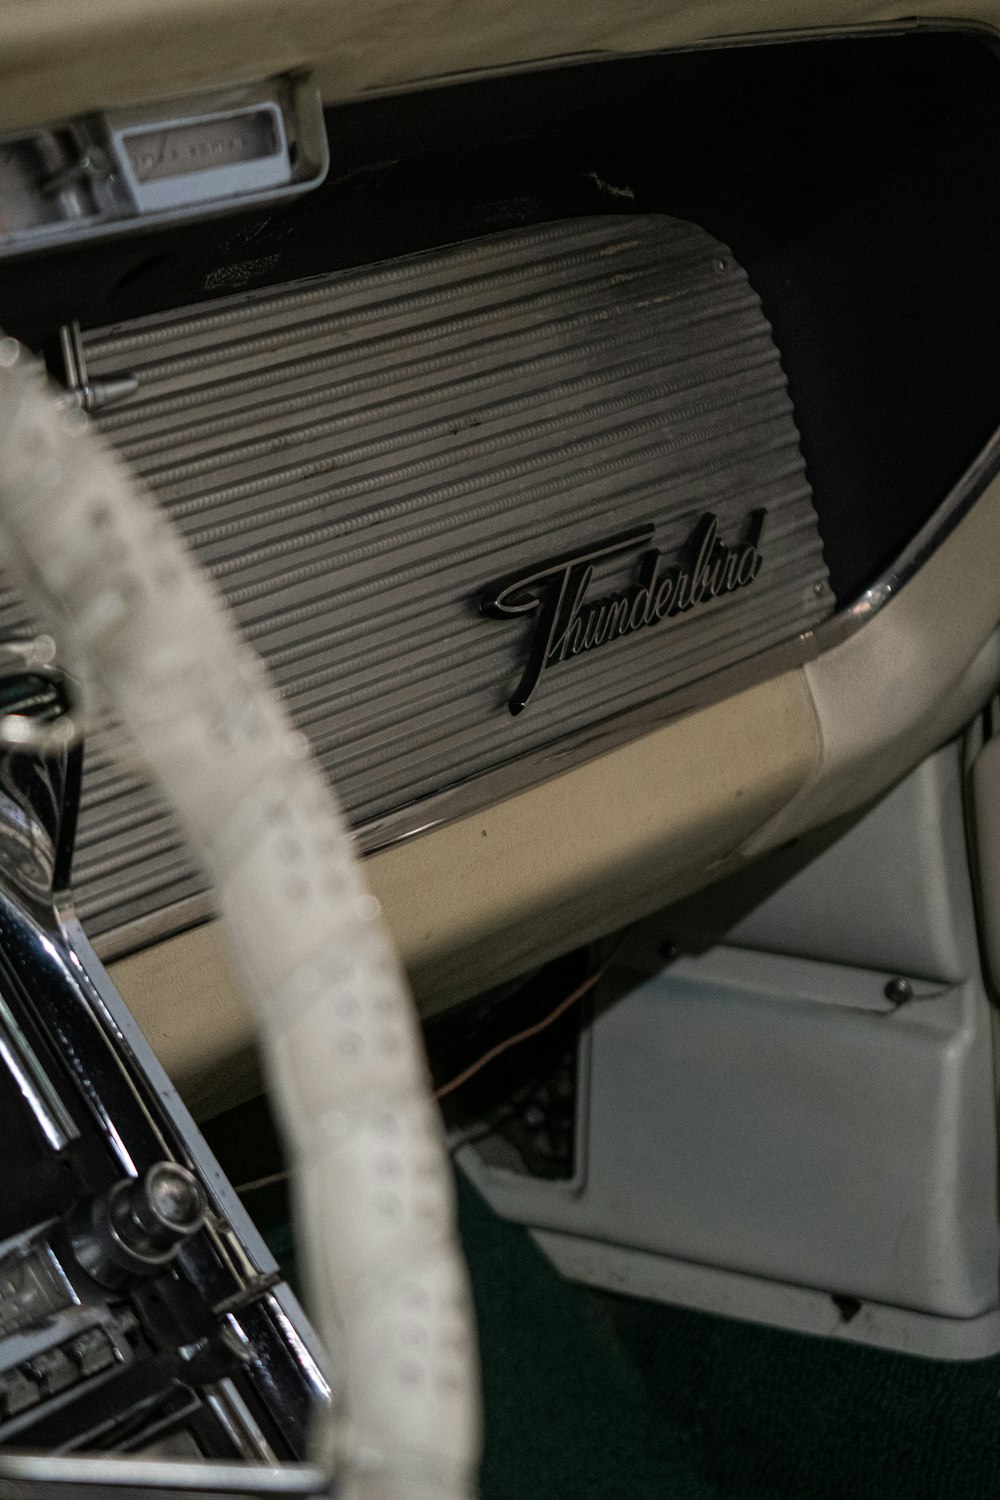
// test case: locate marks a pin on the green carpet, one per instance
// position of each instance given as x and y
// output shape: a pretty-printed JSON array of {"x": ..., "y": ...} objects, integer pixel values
[
  {"x": 593, "y": 1397},
  {"x": 567, "y": 1414},
  {"x": 781, "y": 1415}
]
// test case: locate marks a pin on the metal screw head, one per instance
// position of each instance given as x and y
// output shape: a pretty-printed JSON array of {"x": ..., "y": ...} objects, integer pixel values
[
  {"x": 95, "y": 163},
  {"x": 898, "y": 991}
]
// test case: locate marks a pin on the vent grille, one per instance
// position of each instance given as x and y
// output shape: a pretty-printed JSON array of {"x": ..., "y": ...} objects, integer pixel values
[{"x": 355, "y": 458}]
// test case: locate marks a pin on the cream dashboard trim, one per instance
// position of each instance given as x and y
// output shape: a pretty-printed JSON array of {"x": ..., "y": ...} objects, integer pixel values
[
  {"x": 485, "y": 898},
  {"x": 63, "y": 57}
]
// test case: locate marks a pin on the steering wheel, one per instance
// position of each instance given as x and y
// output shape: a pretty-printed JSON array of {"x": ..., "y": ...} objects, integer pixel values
[{"x": 105, "y": 573}]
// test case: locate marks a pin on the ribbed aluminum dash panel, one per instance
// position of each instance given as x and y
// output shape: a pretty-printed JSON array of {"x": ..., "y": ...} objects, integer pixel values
[{"x": 355, "y": 458}]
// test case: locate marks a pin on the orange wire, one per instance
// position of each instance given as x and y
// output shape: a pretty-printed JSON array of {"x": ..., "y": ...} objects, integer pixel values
[
  {"x": 529, "y": 1031},
  {"x": 487, "y": 1057}
]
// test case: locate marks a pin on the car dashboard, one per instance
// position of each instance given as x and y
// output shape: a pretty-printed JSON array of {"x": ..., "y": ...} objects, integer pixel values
[{"x": 590, "y": 420}]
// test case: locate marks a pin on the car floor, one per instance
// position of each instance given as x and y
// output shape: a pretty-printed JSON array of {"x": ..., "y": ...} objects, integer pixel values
[{"x": 598, "y": 1397}]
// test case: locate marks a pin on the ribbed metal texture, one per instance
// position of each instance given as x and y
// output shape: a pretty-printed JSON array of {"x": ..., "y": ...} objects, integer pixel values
[{"x": 355, "y": 458}]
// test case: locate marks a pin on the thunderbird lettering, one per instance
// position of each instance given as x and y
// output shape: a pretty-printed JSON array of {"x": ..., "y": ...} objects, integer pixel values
[{"x": 567, "y": 622}]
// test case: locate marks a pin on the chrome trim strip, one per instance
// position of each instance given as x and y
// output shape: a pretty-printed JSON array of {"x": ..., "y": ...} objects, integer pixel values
[
  {"x": 169, "y": 922},
  {"x": 53, "y": 1118},
  {"x": 94, "y": 1473},
  {"x": 956, "y": 505}
]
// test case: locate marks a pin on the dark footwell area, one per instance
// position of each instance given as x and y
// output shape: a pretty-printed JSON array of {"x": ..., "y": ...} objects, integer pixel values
[{"x": 594, "y": 1397}]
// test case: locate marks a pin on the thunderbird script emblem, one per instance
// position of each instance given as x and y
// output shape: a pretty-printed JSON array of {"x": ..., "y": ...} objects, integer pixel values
[{"x": 566, "y": 622}]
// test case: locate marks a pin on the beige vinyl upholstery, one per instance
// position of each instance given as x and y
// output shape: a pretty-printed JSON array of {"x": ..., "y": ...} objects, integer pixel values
[{"x": 484, "y": 899}]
